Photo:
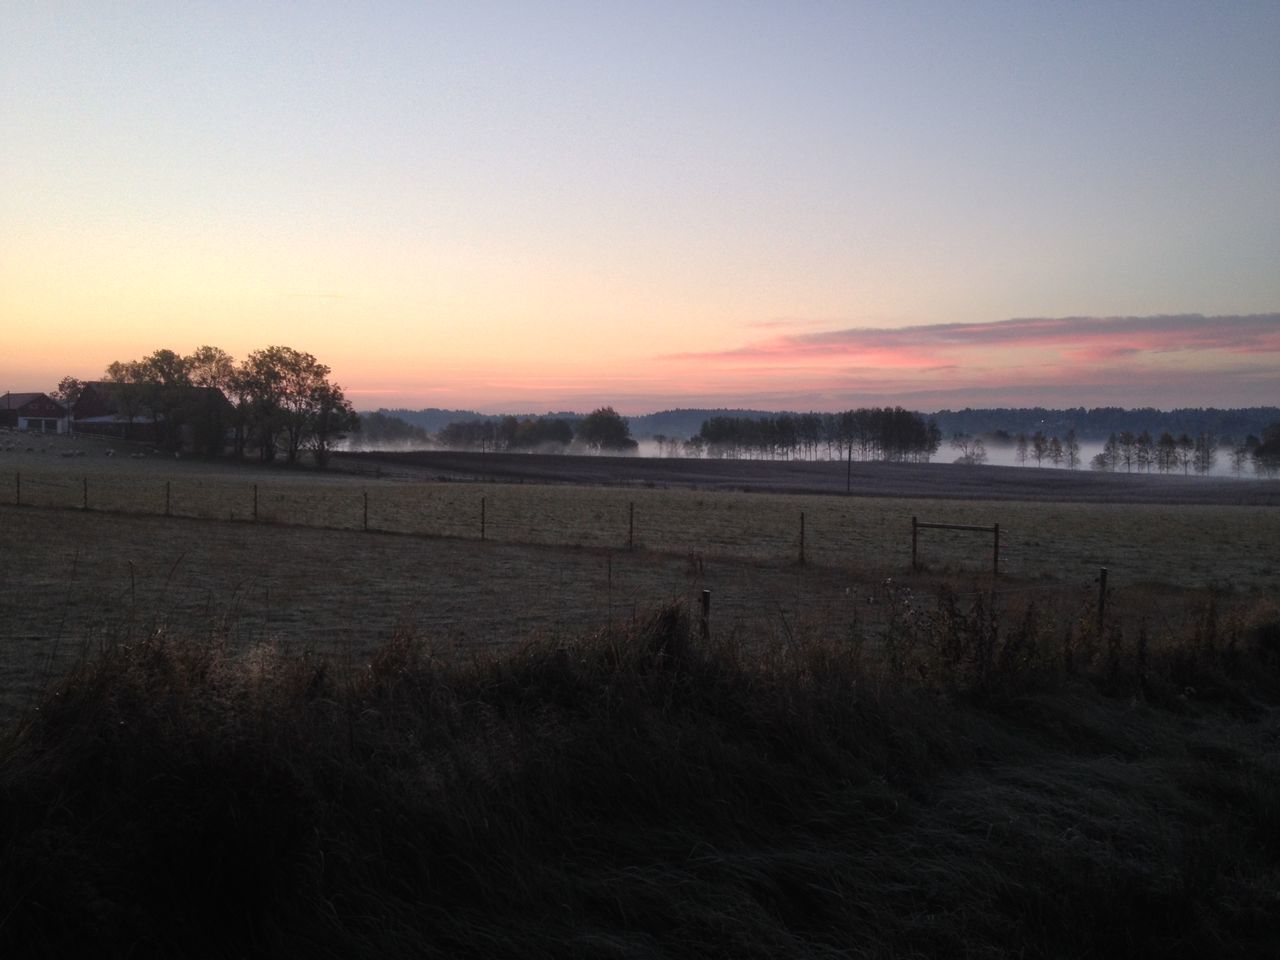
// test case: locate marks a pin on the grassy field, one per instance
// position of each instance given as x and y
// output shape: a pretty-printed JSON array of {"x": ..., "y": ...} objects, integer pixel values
[
  {"x": 555, "y": 557},
  {"x": 297, "y": 737},
  {"x": 1199, "y": 545},
  {"x": 651, "y": 795}
]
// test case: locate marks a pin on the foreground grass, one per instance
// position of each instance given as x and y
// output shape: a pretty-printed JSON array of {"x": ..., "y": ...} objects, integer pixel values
[{"x": 987, "y": 789}]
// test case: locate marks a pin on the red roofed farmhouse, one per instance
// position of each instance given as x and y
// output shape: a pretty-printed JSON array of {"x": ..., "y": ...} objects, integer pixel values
[{"x": 33, "y": 412}]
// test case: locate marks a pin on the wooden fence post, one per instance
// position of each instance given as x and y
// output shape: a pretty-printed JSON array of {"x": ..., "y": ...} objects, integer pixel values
[
  {"x": 609, "y": 588},
  {"x": 482, "y": 518},
  {"x": 995, "y": 560},
  {"x": 1102, "y": 598},
  {"x": 704, "y": 621},
  {"x": 802, "y": 538},
  {"x": 168, "y": 492},
  {"x": 631, "y": 525},
  {"x": 914, "y": 525}
]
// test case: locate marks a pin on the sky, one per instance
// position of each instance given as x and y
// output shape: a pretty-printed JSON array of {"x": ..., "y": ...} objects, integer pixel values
[{"x": 555, "y": 206}]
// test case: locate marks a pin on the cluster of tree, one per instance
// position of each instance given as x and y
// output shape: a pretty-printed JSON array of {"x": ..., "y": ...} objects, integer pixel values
[
  {"x": 277, "y": 400},
  {"x": 434, "y": 420},
  {"x": 380, "y": 430},
  {"x": 1097, "y": 423},
  {"x": 1040, "y": 448},
  {"x": 1264, "y": 452},
  {"x": 869, "y": 433},
  {"x": 602, "y": 430},
  {"x": 548, "y": 434},
  {"x": 1169, "y": 454},
  {"x": 972, "y": 450}
]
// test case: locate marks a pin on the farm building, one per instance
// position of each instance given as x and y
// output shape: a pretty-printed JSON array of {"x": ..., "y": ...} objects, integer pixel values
[
  {"x": 98, "y": 410},
  {"x": 33, "y": 412},
  {"x": 195, "y": 417}
]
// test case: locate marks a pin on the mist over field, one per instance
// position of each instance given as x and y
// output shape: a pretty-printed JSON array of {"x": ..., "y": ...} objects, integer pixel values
[{"x": 662, "y": 435}]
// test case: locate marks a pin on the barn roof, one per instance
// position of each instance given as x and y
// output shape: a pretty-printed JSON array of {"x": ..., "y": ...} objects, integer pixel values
[{"x": 16, "y": 401}]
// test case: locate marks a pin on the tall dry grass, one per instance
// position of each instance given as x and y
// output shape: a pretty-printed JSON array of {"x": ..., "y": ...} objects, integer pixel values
[{"x": 973, "y": 782}]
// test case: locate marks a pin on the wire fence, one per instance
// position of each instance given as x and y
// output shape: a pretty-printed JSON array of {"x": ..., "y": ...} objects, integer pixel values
[
  {"x": 474, "y": 570},
  {"x": 1188, "y": 546}
]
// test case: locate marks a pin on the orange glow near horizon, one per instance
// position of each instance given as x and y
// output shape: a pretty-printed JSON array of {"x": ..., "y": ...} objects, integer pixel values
[{"x": 1083, "y": 361}]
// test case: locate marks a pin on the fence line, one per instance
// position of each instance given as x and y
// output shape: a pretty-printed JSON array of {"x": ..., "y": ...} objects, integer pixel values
[{"x": 719, "y": 528}]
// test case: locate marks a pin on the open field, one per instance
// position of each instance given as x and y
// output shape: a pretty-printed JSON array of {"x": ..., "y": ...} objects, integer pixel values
[
  {"x": 297, "y": 736},
  {"x": 1220, "y": 533},
  {"x": 554, "y": 558}
]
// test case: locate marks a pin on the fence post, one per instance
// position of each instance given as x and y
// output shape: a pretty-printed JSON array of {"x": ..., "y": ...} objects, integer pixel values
[
  {"x": 167, "y": 495},
  {"x": 1102, "y": 598},
  {"x": 366, "y": 511},
  {"x": 913, "y": 545},
  {"x": 631, "y": 525},
  {"x": 995, "y": 560},
  {"x": 704, "y": 621},
  {"x": 482, "y": 518},
  {"x": 802, "y": 538}
]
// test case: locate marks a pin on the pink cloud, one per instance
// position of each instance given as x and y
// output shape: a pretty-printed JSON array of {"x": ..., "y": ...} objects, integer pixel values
[{"x": 1092, "y": 338}]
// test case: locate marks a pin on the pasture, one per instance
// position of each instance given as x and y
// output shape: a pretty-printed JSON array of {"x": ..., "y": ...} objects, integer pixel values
[
  {"x": 353, "y": 712},
  {"x": 97, "y": 547}
]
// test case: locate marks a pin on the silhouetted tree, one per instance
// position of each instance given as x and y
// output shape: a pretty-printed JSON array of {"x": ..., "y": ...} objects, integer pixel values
[
  {"x": 1166, "y": 452},
  {"x": 972, "y": 450},
  {"x": 1186, "y": 452},
  {"x": 67, "y": 392},
  {"x": 291, "y": 403},
  {"x": 1206, "y": 452},
  {"x": 1072, "y": 449},
  {"x": 382, "y": 429},
  {"x": 1266, "y": 451},
  {"x": 1039, "y": 446},
  {"x": 210, "y": 413},
  {"x": 605, "y": 429}
]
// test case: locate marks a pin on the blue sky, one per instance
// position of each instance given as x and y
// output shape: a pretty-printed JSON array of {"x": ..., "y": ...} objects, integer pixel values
[{"x": 565, "y": 204}]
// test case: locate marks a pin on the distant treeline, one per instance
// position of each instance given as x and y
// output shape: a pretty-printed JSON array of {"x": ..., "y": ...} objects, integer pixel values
[
  {"x": 1193, "y": 441},
  {"x": 1169, "y": 454},
  {"x": 433, "y": 420},
  {"x": 1090, "y": 424},
  {"x": 602, "y": 429},
  {"x": 1099, "y": 423},
  {"x": 507, "y": 433},
  {"x": 869, "y": 433}
]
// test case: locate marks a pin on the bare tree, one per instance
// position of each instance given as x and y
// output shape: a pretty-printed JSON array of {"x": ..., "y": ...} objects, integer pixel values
[
  {"x": 1072, "y": 448},
  {"x": 972, "y": 450}
]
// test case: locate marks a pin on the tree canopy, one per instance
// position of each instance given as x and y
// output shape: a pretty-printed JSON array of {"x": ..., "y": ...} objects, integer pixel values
[
  {"x": 605, "y": 429},
  {"x": 281, "y": 400}
]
